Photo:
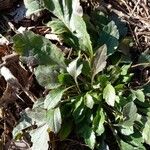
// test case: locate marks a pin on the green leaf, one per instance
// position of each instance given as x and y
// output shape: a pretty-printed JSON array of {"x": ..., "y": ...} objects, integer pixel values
[
  {"x": 70, "y": 13},
  {"x": 129, "y": 113},
  {"x": 127, "y": 146},
  {"x": 58, "y": 27},
  {"x": 147, "y": 90},
  {"x": 65, "y": 129},
  {"x": 111, "y": 28},
  {"x": 99, "y": 121},
  {"x": 65, "y": 79},
  {"x": 86, "y": 70},
  {"x": 127, "y": 78},
  {"x": 127, "y": 130},
  {"x": 145, "y": 111},
  {"x": 124, "y": 69},
  {"x": 146, "y": 132},
  {"x": 109, "y": 95},
  {"x": 99, "y": 62},
  {"x": 122, "y": 27},
  {"x": 110, "y": 36},
  {"x": 61, "y": 9},
  {"x": 103, "y": 80},
  {"x": 33, "y": 6},
  {"x": 89, "y": 137},
  {"x": 139, "y": 95},
  {"x": 53, "y": 98},
  {"x": 74, "y": 70},
  {"x": 40, "y": 138},
  {"x": 47, "y": 76},
  {"x": 88, "y": 101},
  {"x": 54, "y": 119},
  {"x": 78, "y": 25},
  {"x": 64, "y": 33},
  {"x": 136, "y": 139},
  {"x": 79, "y": 110},
  {"x": 29, "y": 44}
]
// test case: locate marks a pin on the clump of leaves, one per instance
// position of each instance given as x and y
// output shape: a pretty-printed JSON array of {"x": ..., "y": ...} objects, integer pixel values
[{"x": 91, "y": 89}]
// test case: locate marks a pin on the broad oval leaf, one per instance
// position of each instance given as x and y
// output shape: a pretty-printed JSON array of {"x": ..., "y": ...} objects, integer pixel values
[
  {"x": 29, "y": 44},
  {"x": 88, "y": 101},
  {"x": 139, "y": 94},
  {"x": 53, "y": 98},
  {"x": 109, "y": 95},
  {"x": 127, "y": 130},
  {"x": 47, "y": 76},
  {"x": 99, "y": 62}
]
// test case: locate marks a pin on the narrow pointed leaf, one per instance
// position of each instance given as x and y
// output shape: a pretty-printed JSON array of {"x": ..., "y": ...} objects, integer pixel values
[
  {"x": 74, "y": 70},
  {"x": 99, "y": 121},
  {"x": 99, "y": 62},
  {"x": 54, "y": 120},
  {"x": 79, "y": 110}
]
